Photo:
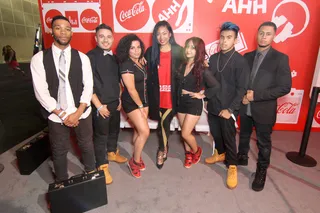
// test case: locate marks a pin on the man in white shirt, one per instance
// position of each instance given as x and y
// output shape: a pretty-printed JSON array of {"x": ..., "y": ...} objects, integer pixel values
[{"x": 63, "y": 84}]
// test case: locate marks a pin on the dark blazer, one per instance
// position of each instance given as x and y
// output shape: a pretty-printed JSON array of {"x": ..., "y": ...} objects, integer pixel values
[
  {"x": 272, "y": 81},
  {"x": 153, "y": 81},
  {"x": 234, "y": 83}
]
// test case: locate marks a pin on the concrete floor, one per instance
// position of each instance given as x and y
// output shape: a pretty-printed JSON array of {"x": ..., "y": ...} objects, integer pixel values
[{"x": 289, "y": 188}]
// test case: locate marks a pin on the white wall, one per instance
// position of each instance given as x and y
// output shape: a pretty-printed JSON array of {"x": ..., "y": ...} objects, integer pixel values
[{"x": 18, "y": 22}]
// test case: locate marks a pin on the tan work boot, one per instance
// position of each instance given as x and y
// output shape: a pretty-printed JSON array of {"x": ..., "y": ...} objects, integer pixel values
[
  {"x": 105, "y": 169},
  {"x": 116, "y": 157},
  {"x": 215, "y": 157},
  {"x": 232, "y": 179}
]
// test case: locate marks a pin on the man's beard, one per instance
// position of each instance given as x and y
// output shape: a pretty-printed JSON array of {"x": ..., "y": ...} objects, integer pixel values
[
  {"x": 61, "y": 43},
  {"x": 263, "y": 46}
]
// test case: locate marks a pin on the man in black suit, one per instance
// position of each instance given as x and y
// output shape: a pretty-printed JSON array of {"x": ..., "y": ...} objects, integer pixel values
[
  {"x": 106, "y": 100},
  {"x": 270, "y": 79}
]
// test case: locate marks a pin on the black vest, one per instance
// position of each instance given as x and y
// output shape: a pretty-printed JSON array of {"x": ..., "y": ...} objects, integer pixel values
[{"x": 74, "y": 76}]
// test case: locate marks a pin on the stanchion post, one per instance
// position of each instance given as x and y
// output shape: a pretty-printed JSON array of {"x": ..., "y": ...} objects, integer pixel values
[
  {"x": 307, "y": 128},
  {"x": 300, "y": 157}
]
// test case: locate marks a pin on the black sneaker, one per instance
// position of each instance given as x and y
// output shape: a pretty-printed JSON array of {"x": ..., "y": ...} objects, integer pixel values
[
  {"x": 259, "y": 179},
  {"x": 242, "y": 159}
]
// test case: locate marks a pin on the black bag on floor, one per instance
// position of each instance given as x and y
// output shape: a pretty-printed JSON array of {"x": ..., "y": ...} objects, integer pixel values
[
  {"x": 33, "y": 154},
  {"x": 78, "y": 194}
]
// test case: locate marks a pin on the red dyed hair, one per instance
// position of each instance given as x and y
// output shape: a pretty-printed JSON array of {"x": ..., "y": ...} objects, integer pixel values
[{"x": 199, "y": 58}]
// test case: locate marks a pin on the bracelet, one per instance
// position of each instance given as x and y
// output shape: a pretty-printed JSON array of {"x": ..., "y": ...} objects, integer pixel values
[
  {"x": 60, "y": 113},
  {"x": 100, "y": 107},
  {"x": 141, "y": 106}
]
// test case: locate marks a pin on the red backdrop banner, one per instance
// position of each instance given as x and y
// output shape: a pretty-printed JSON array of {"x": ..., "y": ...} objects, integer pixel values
[{"x": 298, "y": 33}]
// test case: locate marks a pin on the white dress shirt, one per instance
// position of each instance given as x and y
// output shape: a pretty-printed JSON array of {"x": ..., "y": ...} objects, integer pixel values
[{"x": 40, "y": 84}]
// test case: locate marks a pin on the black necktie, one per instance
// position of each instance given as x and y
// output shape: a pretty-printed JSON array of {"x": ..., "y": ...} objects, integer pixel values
[
  {"x": 254, "y": 71},
  {"x": 255, "y": 68}
]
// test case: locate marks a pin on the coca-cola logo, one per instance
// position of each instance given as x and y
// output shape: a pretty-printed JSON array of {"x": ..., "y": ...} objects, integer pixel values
[
  {"x": 89, "y": 19},
  {"x": 287, "y": 108},
  {"x": 132, "y": 14},
  {"x": 212, "y": 48},
  {"x": 317, "y": 114},
  {"x": 134, "y": 11},
  {"x": 73, "y": 18},
  {"x": 173, "y": 11},
  {"x": 49, "y": 15}
]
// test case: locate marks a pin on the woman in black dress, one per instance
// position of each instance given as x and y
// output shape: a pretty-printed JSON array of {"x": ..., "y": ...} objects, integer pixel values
[
  {"x": 195, "y": 82},
  {"x": 134, "y": 97}
]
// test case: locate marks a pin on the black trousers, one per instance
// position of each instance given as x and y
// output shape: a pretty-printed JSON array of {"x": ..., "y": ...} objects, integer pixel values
[
  {"x": 263, "y": 131},
  {"x": 224, "y": 135},
  {"x": 60, "y": 143},
  {"x": 106, "y": 133},
  {"x": 166, "y": 116}
]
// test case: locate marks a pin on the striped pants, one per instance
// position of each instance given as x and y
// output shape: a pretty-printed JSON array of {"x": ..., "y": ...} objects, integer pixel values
[{"x": 166, "y": 116}]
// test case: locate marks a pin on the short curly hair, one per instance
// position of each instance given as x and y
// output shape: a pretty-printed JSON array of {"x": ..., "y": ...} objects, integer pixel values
[{"x": 124, "y": 47}]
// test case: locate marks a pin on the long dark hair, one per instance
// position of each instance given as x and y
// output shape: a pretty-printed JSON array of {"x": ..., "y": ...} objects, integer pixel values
[
  {"x": 155, "y": 50},
  {"x": 199, "y": 58},
  {"x": 7, "y": 51},
  {"x": 4, "y": 50},
  {"x": 124, "y": 45}
]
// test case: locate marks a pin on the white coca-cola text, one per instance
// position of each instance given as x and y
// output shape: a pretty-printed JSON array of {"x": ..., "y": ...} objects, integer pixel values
[
  {"x": 287, "y": 108},
  {"x": 318, "y": 115},
  {"x": 49, "y": 20},
  {"x": 90, "y": 20},
  {"x": 135, "y": 10},
  {"x": 213, "y": 48}
]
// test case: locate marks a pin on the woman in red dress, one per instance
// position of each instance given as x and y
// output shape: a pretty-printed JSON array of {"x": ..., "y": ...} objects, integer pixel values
[{"x": 10, "y": 58}]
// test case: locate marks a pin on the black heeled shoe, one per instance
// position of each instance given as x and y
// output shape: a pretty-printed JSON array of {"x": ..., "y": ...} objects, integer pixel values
[
  {"x": 165, "y": 153},
  {"x": 160, "y": 159}
]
